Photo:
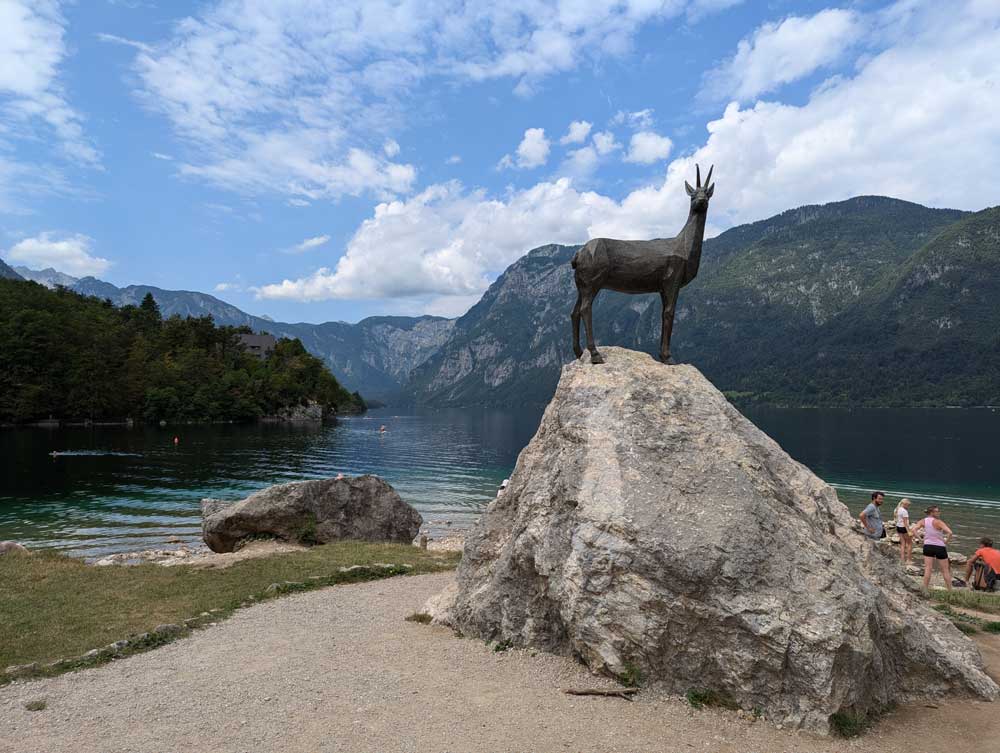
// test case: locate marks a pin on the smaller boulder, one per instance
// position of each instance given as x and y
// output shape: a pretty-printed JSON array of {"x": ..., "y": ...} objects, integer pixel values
[
  {"x": 8, "y": 547},
  {"x": 363, "y": 508}
]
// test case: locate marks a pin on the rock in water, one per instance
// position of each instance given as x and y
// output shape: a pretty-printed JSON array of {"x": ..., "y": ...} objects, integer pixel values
[
  {"x": 363, "y": 508},
  {"x": 650, "y": 528}
]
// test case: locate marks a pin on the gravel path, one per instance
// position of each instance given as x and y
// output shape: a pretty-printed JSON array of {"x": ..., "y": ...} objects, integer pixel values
[{"x": 340, "y": 670}]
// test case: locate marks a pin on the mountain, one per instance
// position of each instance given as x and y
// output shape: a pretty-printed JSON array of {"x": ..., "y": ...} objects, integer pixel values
[
  {"x": 373, "y": 356},
  {"x": 49, "y": 277},
  {"x": 8, "y": 273},
  {"x": 768, "y": 293}
]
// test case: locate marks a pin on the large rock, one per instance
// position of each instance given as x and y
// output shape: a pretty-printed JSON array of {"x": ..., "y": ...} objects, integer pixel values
[
  {"x": 649, "y": 527},
  {"x": 363, "y": 508}
]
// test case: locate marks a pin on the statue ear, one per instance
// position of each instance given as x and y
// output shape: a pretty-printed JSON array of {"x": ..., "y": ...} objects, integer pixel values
[
  {"x": 710, "y": 191},
  {"x": 690, "y": 190}
]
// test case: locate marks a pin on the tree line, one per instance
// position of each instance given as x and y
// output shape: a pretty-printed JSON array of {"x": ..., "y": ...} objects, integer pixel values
[{"x": 68, "y": 356}]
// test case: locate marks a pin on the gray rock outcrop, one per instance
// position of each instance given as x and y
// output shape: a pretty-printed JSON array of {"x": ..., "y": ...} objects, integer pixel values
[
  {"x": 363, "y": 508},
  {"x": 650, "y": 529}
]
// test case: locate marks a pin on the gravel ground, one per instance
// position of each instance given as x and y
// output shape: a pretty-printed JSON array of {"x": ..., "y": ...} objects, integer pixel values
[{"x": 340, "y": 670}]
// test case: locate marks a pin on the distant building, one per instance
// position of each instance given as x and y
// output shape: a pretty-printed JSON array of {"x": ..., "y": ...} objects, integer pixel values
[{"x": 258, "y": 345}]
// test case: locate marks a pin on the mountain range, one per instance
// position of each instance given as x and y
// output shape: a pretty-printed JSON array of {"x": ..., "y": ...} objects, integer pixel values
[{"x": 871, "y": 300}]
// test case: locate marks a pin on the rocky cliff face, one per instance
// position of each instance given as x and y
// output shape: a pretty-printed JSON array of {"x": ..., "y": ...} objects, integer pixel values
[
  {"x": 769, "y": 295},
  {"x": 8, "y": 273},
  {"x": 650, "y": 529}
]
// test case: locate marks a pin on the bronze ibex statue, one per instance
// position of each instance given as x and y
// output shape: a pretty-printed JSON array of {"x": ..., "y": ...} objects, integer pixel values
[{"x": 663, "y": 266}]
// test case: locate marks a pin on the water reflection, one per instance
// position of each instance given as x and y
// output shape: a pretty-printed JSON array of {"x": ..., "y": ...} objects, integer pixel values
[{"x": 446, "y": 463}]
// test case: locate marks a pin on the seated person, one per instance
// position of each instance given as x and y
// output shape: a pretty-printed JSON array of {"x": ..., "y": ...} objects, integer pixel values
[{"x": 986, "y": 562}]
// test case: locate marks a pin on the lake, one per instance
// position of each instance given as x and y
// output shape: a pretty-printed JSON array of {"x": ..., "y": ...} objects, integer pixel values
[{"x": 123, "y": 489}]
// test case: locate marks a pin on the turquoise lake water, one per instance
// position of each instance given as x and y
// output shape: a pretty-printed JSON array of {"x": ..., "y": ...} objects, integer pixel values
[{"x": 119, "y": 489}]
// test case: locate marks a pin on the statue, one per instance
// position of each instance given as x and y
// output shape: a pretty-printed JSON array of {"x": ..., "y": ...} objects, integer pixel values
[{"x": 663, "y": 266}]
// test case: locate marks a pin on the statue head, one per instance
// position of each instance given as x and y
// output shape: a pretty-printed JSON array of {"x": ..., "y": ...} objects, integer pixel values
[{"x": 700, "y": 194}]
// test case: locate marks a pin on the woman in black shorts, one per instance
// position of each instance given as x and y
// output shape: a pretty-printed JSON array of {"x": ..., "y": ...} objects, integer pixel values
[{"x": 937, "y": 534}]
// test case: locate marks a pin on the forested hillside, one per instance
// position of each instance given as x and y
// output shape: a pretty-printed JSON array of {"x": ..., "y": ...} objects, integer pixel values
[
  {"x": 69, "y": 356},
  {"x": 870, "y": 301}
]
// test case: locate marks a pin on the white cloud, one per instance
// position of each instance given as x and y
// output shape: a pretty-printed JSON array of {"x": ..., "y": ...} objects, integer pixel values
[
  {"x": 297, "y": 97},
  {"x": 779, "y": 53},
  {"x": 298, "y": 203},
  {"x": 70, "y": 254},
  {"x": 222, "y": 287},
  {"x": 453, "y": 159},
  {"x": 605, "y": 143},
  {"x": 308, "y": 244},
  {"x": 577, "y": 133},
  {"x": 391, "y": 148},
  {"x": 580, "y": 162},
  {"x": 911, "y": 122},
  {"x": 32, "y": 49},
  {"x": 647, "y": 147},
  {"x": 162, "y": 156},
  {"x": 533, "y": 151},
  {"x": 701, "y": 8},
  {"x": 640, "y": 119}
]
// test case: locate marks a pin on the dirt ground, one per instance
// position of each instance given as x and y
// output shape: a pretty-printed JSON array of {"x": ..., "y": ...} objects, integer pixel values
[{"x": 341, "y": 670}]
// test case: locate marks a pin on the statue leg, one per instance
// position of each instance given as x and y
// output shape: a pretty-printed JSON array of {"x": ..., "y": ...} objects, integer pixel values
[
  {"x": 575, "y": 318},
  {"x": 585, "y": 310},
  {"x": 668, "y": 297}
]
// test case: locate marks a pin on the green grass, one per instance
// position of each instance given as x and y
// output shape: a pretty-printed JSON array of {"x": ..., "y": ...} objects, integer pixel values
[
  {"x": 38, "y": 705},
  {"x": 849, "y": 723},
  {"x": 54, "y": 607},
  {"x": 981, "y": 601},
  {"x": 631, "y": 676},
  {"x": 422, "y": 617},
  {"x": 701, "y": 697},
  {"x": 991, "y": 627}
]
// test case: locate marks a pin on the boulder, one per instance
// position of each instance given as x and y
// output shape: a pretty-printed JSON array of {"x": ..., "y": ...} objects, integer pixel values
[
  {"x": 8, "y": 547},
  {"x": 652, "y": 531},
  {"x": 364, "y": 508}
]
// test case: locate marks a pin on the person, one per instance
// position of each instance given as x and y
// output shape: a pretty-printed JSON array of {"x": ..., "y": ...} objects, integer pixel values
[
  {"x": 902, "y": 516},
  {"x": 988, "y": 571},
  {"x": 937, "y": 534},
  {"x": 871, "y": 518}
]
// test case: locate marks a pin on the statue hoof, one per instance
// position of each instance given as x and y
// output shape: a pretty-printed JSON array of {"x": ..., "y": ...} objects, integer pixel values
[
  {"x": 596, "y": 358},
  {"x": 578, "y": 352},
  {"x": 668, "y": 360}
]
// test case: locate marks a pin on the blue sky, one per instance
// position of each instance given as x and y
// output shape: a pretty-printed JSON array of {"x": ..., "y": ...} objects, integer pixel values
[{"x": 317, "y": 160}]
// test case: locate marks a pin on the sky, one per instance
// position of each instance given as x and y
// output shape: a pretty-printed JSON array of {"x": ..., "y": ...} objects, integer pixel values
[{"x": 314, "y": 161}]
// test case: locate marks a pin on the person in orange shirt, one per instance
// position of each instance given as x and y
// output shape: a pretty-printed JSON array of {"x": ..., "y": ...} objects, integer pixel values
[{"x": 988, "y": 572}]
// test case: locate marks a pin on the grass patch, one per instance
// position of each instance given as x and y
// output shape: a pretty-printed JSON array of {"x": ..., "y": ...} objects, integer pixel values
[
  {"x": 991, "y": 627},
  {"x": 53, "y": 607},
  {"x": 505, "y": 645},
  {"x": 421, "y": 617},
  {"x": 631, "y": 676},
  {"x": 701, "y": 697},
  {"x": 981, "y": 601},
  {"x": 849, "y": 723},
  {"x": 38, "y": 705}
]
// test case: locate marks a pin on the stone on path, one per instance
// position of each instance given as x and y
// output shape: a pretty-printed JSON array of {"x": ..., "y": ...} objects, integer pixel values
[
  {"x": 650, "y": 530},
  {"x": 363, "y": 508}
]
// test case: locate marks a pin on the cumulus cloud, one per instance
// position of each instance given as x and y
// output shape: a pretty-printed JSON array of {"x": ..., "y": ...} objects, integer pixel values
[
  {"x": 647, "y": 147},
  {"x": 453, "y": 159},
  {"x": 641, "y": 119},
  {"x": 298, "y": 98},
  {"x": 605, "y": 143},
  {"x": 779, "y": 53},
  {"x": 70, "y": 254},
  {"x": 577, "y": 133},
  {"x": 308, "y": 244},
  {"x": 911, "y": 122},
  {"x": 533, "y": 151},
  {"x": 223, "y": 287},
  {"x": 390, "y": 147}
]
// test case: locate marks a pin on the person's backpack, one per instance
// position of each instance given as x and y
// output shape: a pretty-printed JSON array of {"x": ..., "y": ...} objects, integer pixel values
[{"x": 983, "y": 577}]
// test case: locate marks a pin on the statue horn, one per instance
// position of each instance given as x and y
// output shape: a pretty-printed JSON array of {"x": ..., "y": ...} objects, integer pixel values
[
  {"x": 697, "y": 176},
  {"x": 708, "y": 180}
]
